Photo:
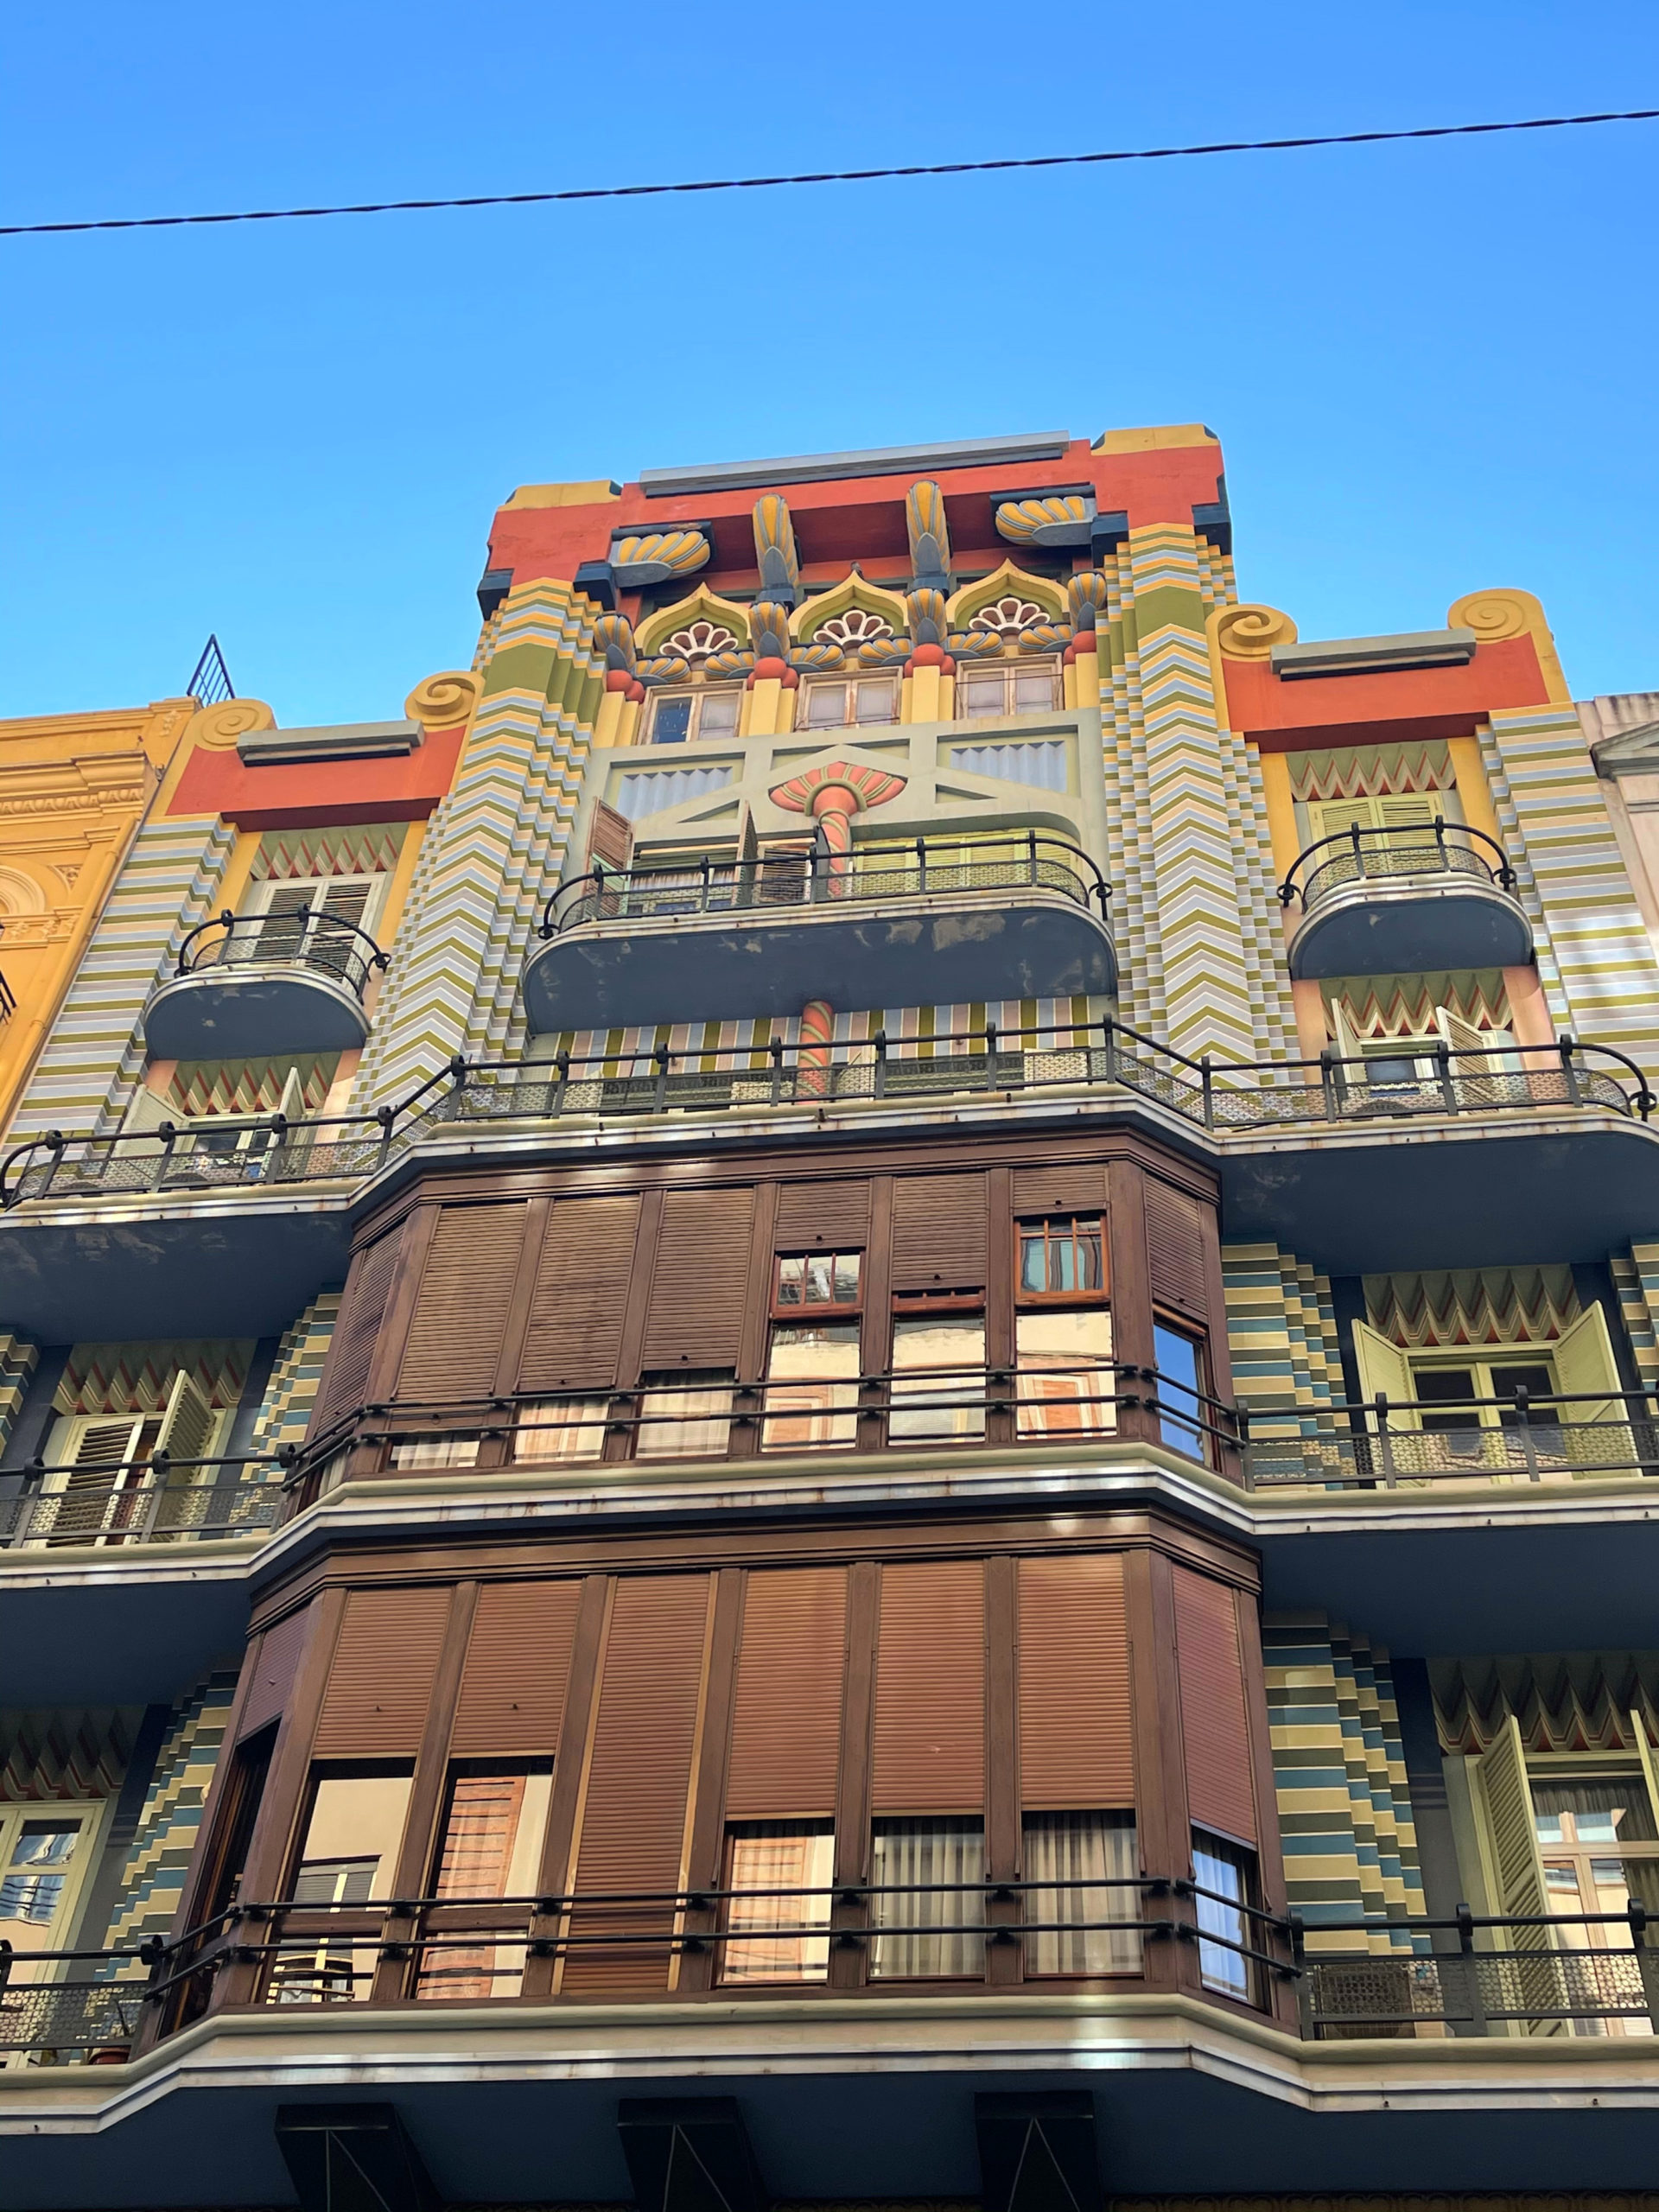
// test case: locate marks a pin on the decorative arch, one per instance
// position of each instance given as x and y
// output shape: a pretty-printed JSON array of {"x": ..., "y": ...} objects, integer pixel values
[
  {"x": 853, "y": 591},
  {"x": 20, "y": 894},
  {"x": 703, "y": 605},
  {"x": 1008, "y": 582}
]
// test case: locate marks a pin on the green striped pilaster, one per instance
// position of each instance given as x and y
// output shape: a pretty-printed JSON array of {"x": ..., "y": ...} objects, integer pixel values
[
  {"x": 152, "y": 1880},
  {"x": 295, "y": 1375},
  {"x": 19, "y": 1359},
  {"x": 1281, "y": 1332}
]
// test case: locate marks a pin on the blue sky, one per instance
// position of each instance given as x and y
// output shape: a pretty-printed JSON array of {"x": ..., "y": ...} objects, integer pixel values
[{"x": 1430, "y": 367}]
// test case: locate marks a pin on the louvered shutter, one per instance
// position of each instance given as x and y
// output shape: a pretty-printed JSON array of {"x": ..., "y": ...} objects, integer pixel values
[
  {"x": 835, "y": 1214},
  {"x": 634, "y": 1820},
  {"x": 610, "y": 840},
  {"x": 1175, "y": 1249},
  {"x": 786, "y": 1713},
  {"x": 1504, "y": 1796},
  {"x": 700, "y": 1281},
  {"x": 345, "y": 1373},
  {"x": 188, "y": 1428},
  {"x": 1076, "y": 1750},
  {"x": 274, "y": 1666},
  {"x": 938, "y": 1232},
  {"x": 580, "y": 1295},
  {"x": 1215, "y": 1726},
  {"x": 1070, "y": 1186},
  {"x": 512, "y": 1686},
  {"x": 929, "y": 1753},
  {"x": 381, "y": 1679},
  {"x": 460, "y": 1311}
]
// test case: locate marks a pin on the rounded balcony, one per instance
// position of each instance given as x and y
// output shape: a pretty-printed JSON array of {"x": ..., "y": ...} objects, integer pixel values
[
  {"x": 1386, "y": 902},
  {"x": 926, "y": 922},
  {"x": 256, "y": 985}
]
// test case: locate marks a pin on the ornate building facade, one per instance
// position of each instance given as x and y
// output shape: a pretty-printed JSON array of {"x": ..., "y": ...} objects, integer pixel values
[{"x": 844, "y": 1395}]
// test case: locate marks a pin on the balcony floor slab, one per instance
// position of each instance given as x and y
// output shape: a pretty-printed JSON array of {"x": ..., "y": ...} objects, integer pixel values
[
  {"x": 1372, "y": 928},
  {"x": 247, "y": 1013}
]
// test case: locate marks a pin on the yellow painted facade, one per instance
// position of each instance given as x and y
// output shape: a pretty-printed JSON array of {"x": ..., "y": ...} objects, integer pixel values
[{"x": 73, "y": 789}]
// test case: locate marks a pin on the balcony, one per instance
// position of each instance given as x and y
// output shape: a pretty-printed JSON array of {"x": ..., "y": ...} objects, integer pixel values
[
  {"x": 937, "y": 919},
  {"x": 141, "y": 1502},
  {"x": 256, "y": 985},
  {"x": 1385, "y": 902},
  {"x": 1501, "y": 1443}
]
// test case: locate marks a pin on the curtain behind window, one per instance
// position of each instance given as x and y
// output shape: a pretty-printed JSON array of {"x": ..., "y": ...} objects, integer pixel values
[
  {"x": 925, "y": 1852},
  {"x": 1072, "y": 1852}
]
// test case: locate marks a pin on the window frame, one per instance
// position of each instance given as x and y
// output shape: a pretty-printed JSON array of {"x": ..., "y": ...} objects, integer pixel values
[
  {"x": 1480, "y": 1364},
  {"x": 58, "y": 1933},
  {"x": 1010, "y": 668},
  {"x": 819, "y": 686},
  {"x": 846, "y": 1309},
  {"x": 696, "y": 693},
  {"x": 1027, "y": 1300},
  {"x": 1196, "y": 1333}
]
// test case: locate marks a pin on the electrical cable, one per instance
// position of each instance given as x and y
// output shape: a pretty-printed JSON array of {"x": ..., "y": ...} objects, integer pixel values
[{"x": 831, "y": 176}]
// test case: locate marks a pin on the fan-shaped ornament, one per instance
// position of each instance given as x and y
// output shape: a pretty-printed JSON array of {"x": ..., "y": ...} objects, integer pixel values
[{"x": 658, "y": 556}]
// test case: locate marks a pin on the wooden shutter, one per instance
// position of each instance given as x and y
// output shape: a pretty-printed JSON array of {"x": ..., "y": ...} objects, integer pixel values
[
  {"x": 786, "y": 1713},
  {"x": 835, "y": 1214},
  {"x": 188, "y": 1428},
  {"x": 517, "y": 1663},
  {"x": 274, "y": 1665},
  {"x": 380, "y": 1682},
  {"x": 1175, "y": 1249},
  {"x": 1511, "y": 1831},
  {"x": 929, "y": 1753},
  {"x": 938, "y": 1232},
  {"x": 580, "y": 1294},
  {"x": 639, "y": 1777},
  {"x": 699, "y": 1284},
  {"x": 460, "y": 1312},
  {"x": 1069, "y": 1186},
  {"x": 1384, "y": 1372},
  {"x": 1076, "y": 1749},
  {"x": 610, "y": 838},
  {"x": 345, "y": 1373},
  {"x": 1215, "y": 1728}
]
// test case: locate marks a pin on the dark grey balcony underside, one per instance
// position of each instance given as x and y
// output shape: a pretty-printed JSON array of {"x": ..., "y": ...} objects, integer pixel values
[
  {"x": 252, "y": 1012},
  {"x": 1370, "y": 928},
  {"x": 897, "y": 952}
]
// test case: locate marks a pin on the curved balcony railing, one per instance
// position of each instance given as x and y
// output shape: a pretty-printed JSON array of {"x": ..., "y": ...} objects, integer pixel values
[
  {"x": 325, "y": 944},
  {"x": 1103, "y": 1056},
  {"x": 944, "y": 867},
  {"x": 1396, "y": 858}
]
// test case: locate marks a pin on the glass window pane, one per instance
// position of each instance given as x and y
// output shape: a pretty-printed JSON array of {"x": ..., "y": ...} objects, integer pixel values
[
  {"x": 436, "y": 1451},
  {"x": 1065, "y": 1380},
  {"x": 1080, "y": 1855},
  {"x": 877, "y": 702},
  {"x": 792, "y": 1281},
  {"x": 1225, "y": 1870},
  {"x": 812, "y": 1388},
  {"x": 1450, "y": 1387},
  {"x": 938, "y": 1380},
  {"x": 717, "y": 716},
  {"x": 795, "y": 1862},
  {"x": 945, "y": 1912},
  {"x": 1180, "y": 1378},
  {"x": 979, "y": 696},
  {"x": 1033, "y": 688},
  {"x": 492, "y": 1847},
  {"x": 35, "y": 1877},
  {"x": 670, "y": 721},
  {"x": 349, "y": 1857},
  {"x": 846, "y": 1278},
  {"x": 684, "y": 1415},
  {"x": 1593, "y": 1809},
  {"x": 826, "y": 705},
  {"x": 819, "y": 1277},
  {"x": 1033, "y": 1260},
  {"x": 552, "y": 1430}
]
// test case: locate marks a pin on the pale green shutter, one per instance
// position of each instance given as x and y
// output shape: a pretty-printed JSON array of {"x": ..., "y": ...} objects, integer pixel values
[{"x": 1504, "y": 1797}]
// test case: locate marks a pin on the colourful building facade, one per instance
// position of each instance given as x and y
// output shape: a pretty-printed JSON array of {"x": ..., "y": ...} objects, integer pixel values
[{"x": 844, "y": 1395}]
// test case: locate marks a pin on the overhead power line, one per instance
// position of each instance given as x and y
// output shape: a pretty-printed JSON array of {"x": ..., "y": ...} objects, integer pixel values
[{"x": 831, "y": 176}]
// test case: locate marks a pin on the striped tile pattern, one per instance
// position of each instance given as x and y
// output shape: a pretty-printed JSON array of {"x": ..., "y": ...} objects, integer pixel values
[
  {"x": 1595, "y": 958},
  {"x": 495, "y": 846},
  {"x": 18, "y": 1358},
  {"x": 295, "y": 1375},
  {"x": 1339, "y": 1774},
  {"x": 1281, "y": 1331},
  {"x": 92, "y": 1063},
  {"x": 153, "y": 1878},
  {"x": 1635, "y": 1278}
]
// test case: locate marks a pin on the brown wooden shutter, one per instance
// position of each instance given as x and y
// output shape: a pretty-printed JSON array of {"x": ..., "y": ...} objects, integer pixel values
[
  {"x": 1215, "y": 1729},
  {"x": 580, "y": 1294},
  {"x": 274, "y": 1666},
  {"x": 517, "y": 1663},
  {"x": 346, "y": 1372},
  {"x": 786, "y": 1713},
  {"x": 699, "y": 1284},
  {"x": 835, "y": 1214},
  {"x": 460, "y": 1311},
  {"x": 611, "y": 837},
  {"x": 639, "y": 1774},
  {"x": 384, "y": 1666},
  {"x": 1175, "y": 1249},
  {"x": 1069, "y": 1186},
  {"x": 938, "y": 1232},
  {"x": 1076, "y": 1747},
  {"x": 929, "y": 1754}
]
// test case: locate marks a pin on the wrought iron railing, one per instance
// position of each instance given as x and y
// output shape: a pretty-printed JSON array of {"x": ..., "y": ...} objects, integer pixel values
[
  {"x": 311, "y": 937},
  {"x": 1393, "y": 858},
  {"x": 1388, "y": 1443},
  {"x": 923, "y": 868},
  {"x": 158, "y": 1500},
  {"x": 1573, "y": 1973},
  {"x": 1059, "y": 1401},
  {"x": 1220, "y": 1096},
  {"x": 210, "y": 680}
]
